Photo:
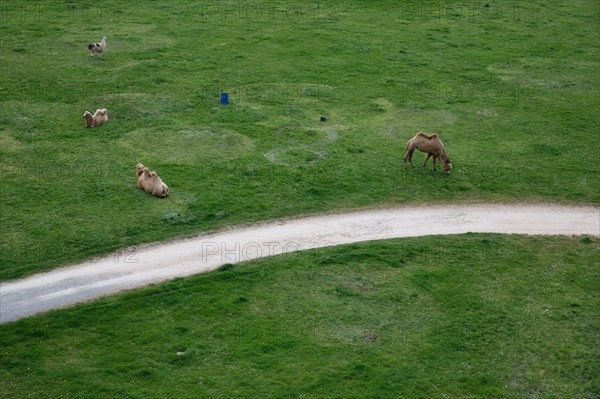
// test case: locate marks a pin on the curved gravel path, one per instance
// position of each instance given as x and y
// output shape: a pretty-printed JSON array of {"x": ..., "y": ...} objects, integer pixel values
[{"x": 153, "y": 263}]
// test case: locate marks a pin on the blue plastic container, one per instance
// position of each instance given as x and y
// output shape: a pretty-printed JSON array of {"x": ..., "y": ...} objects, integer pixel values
[{"x": 224, "y": 98}]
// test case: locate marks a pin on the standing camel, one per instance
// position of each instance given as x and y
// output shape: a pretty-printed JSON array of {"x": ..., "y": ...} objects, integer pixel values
[{"x": 432, "y": 145}]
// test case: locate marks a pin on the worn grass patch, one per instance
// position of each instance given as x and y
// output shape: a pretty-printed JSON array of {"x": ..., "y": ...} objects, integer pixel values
[{"x": 194, "y": 145}]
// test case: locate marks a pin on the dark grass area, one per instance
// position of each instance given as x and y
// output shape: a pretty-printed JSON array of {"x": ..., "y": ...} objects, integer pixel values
[{"x": 475, "y": 315}]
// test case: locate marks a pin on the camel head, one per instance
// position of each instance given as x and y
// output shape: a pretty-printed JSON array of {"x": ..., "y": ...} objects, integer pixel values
[
  {"x": 87, "y": 115},
  {"x": 140, "y": 169},
  {"x": 447, "y": 166}
]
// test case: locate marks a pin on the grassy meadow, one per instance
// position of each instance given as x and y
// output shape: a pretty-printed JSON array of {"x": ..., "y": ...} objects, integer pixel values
[
  {"x": 512, "y": 88},
  {"x": 470, "y": 316}
]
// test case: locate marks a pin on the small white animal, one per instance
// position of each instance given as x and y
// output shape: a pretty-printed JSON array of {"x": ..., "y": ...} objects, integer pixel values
[
  {"x": 99, "y": 117},
  {"x": 97, "y": 48}
]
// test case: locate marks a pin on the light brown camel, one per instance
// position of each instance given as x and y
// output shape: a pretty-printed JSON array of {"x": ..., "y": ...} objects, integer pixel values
[
  {"x": 432, "y": 145},
  {"x": 99, "y": 117},
  {"x": 149, "y": 181}
]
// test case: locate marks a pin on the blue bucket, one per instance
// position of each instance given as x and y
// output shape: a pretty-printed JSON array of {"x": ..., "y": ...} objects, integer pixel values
[{"x": 224, "y": 98}]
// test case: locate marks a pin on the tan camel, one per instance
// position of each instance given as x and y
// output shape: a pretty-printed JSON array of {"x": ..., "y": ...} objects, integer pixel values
[
  {"x": 149, "y": 181},
  {"x": 432, "y": 145},
  {"x": 99, "y": 117}
]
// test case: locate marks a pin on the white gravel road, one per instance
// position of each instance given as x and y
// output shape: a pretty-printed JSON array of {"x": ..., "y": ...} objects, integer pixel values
[{"x": 137, "y": 267}]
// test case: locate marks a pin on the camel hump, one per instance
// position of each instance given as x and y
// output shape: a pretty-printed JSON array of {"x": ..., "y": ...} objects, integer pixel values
[{"x": 427, "y": 136}]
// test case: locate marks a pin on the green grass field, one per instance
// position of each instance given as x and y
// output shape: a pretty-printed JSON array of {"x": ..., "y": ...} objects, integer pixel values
[
  {"x": 513, "y": 89},
  {"x": 471, "y": 316}
]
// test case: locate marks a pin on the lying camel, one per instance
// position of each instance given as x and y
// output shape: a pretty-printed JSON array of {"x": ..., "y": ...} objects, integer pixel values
[
  {"x": 432, "y": 145},
  {"x": 99, "y": 117},
  {"x": 149, "y": 181}
]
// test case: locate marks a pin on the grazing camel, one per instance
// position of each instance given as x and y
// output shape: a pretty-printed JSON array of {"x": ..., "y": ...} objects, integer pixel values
[
  {"x": 149, "y": 181},
  {"x": 99, "y": 117},
  {"x": 97, "y": 48},
  {"x": 432, "y": 145}
]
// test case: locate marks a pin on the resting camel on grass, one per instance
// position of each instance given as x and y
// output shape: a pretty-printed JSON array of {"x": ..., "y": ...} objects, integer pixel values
[
  {"x": 99, "y": 117},
  {"x": 432, "y": 145},
  {"x": 149, "y": 181}
]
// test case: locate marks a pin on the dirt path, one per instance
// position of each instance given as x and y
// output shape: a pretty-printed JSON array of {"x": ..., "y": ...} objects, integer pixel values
[{"x": 154, "y": 263}]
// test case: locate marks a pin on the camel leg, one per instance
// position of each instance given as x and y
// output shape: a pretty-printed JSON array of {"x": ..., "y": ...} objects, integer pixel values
[
  {"x": 434, "y": 158},
  {"x": 428, "y": 155},
  {"x": 408, "y": 156}
]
